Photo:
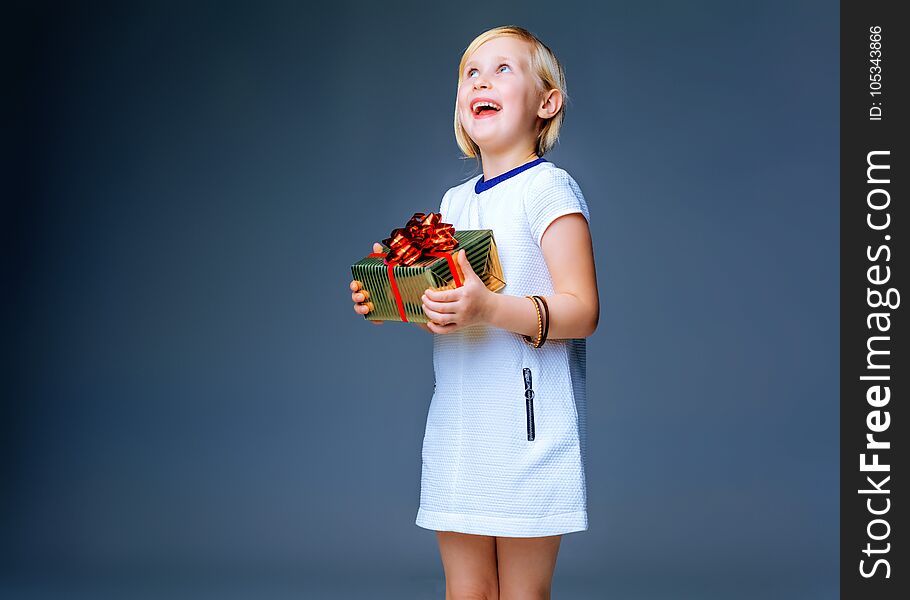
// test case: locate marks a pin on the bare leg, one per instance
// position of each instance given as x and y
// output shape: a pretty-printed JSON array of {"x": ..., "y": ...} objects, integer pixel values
[
  {"x": 469, "y": 562},
  {"x": 526, "y": 566}
]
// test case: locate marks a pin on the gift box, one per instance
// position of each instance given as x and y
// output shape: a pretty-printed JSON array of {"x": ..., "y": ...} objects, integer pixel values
[{"x": 421, "y": 255}]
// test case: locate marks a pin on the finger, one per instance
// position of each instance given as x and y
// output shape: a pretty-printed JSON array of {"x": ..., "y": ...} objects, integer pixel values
[
  {"x": 377, "y": 247},
  {"x": 464, "y": 262},
  {"x": 437, "y": 328},
  {"x": 355, "y": 285},
  {"x": 441, "y": 318},
  {"x": 442, "y": 295},
  {"x": 441, "y": 307},
  {"x": 360, "y": 296},
  {"x": 374, "y": 322}
]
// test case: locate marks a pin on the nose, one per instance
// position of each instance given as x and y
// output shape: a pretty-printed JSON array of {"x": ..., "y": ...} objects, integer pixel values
[{"x": 481, "y": 82}]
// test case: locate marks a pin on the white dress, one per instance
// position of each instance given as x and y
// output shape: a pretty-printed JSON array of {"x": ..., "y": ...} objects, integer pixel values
[{"x": 492, "y": 464}]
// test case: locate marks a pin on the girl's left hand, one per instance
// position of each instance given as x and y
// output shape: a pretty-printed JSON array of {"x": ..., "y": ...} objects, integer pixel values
[{"x": 450, "y": 310}]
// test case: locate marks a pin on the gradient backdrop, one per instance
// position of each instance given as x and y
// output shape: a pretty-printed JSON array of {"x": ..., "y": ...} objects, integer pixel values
[{"x": 190, "y": 404}]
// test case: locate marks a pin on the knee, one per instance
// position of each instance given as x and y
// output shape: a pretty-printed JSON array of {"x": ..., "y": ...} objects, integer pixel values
[
  {"x": 472, "y": 591},
  {"x": 525, "y": 593},
  {"x": 520, "y": 594}
]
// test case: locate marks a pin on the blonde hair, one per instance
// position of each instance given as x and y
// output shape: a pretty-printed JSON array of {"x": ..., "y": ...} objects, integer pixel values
[{"x": 548, "y": 71}]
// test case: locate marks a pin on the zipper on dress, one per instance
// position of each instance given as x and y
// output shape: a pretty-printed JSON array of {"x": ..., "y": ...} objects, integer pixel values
[{"x": 529, "y": 402}]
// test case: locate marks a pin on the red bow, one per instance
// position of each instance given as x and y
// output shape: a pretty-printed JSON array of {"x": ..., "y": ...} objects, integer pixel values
[{"x": 423, "y": 235}]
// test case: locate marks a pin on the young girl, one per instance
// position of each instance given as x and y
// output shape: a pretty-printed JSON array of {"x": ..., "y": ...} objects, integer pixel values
[{"x": 503, "y": 473}]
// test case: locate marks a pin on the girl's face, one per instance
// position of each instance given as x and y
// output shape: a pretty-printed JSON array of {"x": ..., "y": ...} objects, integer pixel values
[{"x": 498, "y": 72}]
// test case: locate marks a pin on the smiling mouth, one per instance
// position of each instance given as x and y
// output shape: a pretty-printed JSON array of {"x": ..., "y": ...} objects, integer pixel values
[{"x": 485, "y": 108}]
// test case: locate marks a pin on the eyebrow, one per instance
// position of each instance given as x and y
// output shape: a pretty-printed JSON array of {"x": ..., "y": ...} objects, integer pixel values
[{"x": 503, "y": 58}]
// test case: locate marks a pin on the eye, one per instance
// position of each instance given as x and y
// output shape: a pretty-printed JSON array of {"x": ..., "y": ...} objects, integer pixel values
[
  {"x": 501, "y": 67},
  {"x": 470, "y": 71}
]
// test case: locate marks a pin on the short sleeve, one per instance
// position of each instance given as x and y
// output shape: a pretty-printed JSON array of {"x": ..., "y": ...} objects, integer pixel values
[
  {"x": 444, "y": 206},
  {"x": 551, "y": 194}
]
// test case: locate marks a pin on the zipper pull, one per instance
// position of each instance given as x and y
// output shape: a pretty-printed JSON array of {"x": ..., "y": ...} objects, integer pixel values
[{"x": 529, "y": 402}]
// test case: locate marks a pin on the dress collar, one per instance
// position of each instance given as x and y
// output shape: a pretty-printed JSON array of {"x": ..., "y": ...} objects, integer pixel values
[{"x": 482, "y": 186}]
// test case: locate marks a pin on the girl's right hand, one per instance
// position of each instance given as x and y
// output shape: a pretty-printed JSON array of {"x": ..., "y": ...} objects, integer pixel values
[{"x": 362, "y": 305}]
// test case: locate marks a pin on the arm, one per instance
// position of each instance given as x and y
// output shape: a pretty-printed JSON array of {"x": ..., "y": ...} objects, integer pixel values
[{"x": 575, "y": 305}]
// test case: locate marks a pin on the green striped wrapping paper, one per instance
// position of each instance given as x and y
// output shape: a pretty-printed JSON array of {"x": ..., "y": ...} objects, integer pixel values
[{"x": 426, "y": 272}]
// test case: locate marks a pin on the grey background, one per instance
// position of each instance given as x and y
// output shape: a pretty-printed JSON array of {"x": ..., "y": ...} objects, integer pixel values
[{"x": 190, "y": 404}]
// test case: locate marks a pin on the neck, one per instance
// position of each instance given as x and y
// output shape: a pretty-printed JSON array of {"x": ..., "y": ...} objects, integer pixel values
[{"x": 497, "y": 163}]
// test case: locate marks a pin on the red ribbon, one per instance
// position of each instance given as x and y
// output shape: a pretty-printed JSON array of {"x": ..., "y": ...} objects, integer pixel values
[{"x": 423, "y": 235}]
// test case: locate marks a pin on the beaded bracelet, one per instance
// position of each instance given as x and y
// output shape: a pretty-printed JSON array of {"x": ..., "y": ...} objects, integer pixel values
[
  {"x": 546, "y": 320},
  {"x": 527, "y": 338}
]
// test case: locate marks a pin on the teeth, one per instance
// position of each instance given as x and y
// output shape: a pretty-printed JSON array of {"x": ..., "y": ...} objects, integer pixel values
[{"x": 485, "y": 104}]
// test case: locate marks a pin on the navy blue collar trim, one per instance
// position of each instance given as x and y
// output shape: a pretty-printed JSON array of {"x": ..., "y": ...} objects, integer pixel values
[{"x": 482, "y": 186}]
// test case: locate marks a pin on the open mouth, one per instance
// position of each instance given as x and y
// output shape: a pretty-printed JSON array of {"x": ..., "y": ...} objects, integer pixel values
[{"x": 485, "y": 108}]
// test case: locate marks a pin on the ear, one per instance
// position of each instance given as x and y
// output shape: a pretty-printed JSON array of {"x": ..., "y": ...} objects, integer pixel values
[{"x": 550, "y": 105}]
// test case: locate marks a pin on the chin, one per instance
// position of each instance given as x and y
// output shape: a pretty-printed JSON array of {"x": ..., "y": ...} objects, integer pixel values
[
  {"x": 484, "y": 134},
  {"x": 492, "y": 139},
  {"x": 481, "y": 138}
]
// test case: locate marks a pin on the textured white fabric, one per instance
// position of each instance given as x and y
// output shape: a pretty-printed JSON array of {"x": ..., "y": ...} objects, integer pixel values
[{"x": 480, "y": 473}]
